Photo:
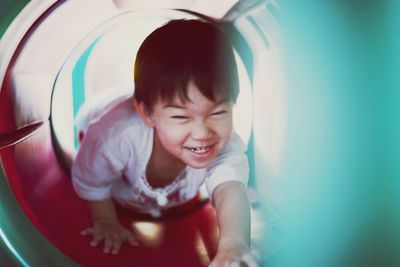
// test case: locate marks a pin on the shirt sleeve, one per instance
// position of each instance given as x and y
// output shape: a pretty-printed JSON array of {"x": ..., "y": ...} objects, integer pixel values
[
  {"x": 95, "y": 167},
  {"x": 230, "y": 165}
]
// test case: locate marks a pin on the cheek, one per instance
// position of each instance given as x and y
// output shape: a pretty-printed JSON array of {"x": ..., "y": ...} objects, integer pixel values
[
  {"x": 170, "y": 136},
  {"x": 225, "y": 129}
]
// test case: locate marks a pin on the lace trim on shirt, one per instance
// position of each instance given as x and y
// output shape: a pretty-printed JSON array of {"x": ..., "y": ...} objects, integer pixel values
[{"x": 156, "y": 199}]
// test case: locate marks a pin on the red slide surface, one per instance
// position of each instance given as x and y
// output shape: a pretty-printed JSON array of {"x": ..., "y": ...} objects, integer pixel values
[{"x": 44, "y": 191}]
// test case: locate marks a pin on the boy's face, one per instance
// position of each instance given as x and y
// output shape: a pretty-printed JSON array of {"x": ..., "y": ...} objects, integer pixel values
[{"x": 195, "y": 131}]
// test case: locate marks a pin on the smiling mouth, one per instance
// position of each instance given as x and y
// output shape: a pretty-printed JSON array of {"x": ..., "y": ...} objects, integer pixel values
[{"x": 200, "y": 150}]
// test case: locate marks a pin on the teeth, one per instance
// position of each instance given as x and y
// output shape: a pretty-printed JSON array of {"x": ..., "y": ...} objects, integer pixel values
[{"x": 200, "y": 149}]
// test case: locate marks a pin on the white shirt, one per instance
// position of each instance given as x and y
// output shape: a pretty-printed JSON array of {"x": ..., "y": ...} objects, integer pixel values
[{"x": 112, "y": 160}]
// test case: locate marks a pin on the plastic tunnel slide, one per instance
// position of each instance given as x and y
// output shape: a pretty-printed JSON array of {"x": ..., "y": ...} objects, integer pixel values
[
  {"x": 44, "y": 193},
  {"x": 40, "y": 215},
  {"x": 324, "y": 139}
]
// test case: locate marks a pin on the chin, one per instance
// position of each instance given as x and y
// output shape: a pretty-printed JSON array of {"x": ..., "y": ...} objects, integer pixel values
[{"x": 199, "y": 164}]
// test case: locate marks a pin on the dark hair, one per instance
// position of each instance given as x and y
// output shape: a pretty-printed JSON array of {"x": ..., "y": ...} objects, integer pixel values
[{"x": 181, "y": 51}]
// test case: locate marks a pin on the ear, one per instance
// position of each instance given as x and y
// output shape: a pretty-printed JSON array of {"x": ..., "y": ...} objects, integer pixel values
[{"x": 143, "y": 113}]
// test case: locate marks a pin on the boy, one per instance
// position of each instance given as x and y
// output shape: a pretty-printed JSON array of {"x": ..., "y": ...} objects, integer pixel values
[{"x": 155, "y": 154}]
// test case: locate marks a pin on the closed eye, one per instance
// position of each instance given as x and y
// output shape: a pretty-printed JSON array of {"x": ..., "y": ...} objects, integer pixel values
[
  {"x": 219, "y": 113},
  {"x": 179, "y": 117}
]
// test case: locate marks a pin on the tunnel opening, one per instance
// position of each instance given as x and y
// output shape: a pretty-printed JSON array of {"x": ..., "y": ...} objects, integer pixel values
[{"x": 24, "y": 169}]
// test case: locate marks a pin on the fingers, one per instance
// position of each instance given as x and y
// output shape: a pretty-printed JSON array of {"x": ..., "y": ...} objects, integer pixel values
[
  {"x": 112, "y": 240},
  {"x": 112, "y": 244},
  {"x": 132, "y": 240},
  {"x": 234, "y": 264},
  {"x": 250, "y": 260},
  {"x": 87, "y": 231},
  {"x": 116, "y": 247},
  {"x": 108, "y": 244},
  {"x": 95, "y": 241},
  {"x": 97, "y": 238}
]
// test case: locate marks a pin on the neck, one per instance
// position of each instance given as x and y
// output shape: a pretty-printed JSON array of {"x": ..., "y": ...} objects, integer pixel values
[{"x": 162, "y": 168}]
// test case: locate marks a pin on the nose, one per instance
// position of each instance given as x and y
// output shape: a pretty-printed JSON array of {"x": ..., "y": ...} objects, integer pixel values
[{"x": 201, "y": 131}]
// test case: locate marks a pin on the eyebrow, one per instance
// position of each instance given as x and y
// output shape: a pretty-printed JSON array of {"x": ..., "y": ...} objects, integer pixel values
[
  {"x": 174, "y": 106},
  {"x": 223, "y": 101}
]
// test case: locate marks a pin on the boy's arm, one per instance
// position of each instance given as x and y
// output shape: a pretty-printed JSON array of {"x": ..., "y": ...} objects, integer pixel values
[
  {"x": 233, "y": 217},
  {"x": 103, "y": 210}
]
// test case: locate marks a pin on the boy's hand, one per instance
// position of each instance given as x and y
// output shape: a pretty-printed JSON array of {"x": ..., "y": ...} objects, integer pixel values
[
  {"x": 233, "y": 254},
  {"x": 113, "y": 235},
  {"x": 235, "y": 259}
]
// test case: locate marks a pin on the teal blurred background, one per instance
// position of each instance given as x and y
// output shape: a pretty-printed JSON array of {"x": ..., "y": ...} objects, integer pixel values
[
  {"x": 8, "y": 10},
  {"x": 341, "y": 172}
]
